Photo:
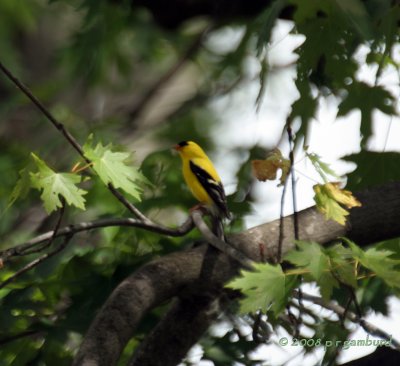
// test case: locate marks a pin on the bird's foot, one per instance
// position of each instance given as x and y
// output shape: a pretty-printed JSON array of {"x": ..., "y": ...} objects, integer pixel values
[{"x": 199, "y": 207}]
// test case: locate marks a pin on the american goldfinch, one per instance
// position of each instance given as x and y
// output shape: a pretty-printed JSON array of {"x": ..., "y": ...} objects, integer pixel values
[{"x": 202, "y": 178}]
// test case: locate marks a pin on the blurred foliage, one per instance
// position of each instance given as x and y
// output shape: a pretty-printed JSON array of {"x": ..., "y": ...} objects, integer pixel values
[
  {"x": 373, "y": 168},
  {"x": 93, "y": 62}
]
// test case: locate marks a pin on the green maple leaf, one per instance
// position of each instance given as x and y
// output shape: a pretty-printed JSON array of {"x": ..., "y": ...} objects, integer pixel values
[
  {"x": 366, "y": 98},
  {"x": 327, "y": 266},
  {"x": 53, "y": 185},
  {"x": 379, "y": 262},
  {"x": 313, "y": 258},
  {"x": 326, "y": 284},
  {"x": 265, "y": 287},
  {"x": 355, "y": 12},
  {"x": 341, "y": 260},
  {"x": 322, "y": 168},
  {"x": 112, "y": 167},
  {"x": 305, "y": 106},
  {"x": 388, "y": 269},
  {"x": 373, "y": 168}
]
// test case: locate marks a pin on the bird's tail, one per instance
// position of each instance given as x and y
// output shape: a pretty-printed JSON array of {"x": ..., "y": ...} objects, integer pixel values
[{"x": 217, "y": 227}]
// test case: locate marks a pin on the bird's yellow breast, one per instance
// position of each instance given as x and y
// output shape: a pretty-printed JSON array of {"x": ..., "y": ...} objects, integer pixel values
[
  {"x": 193, "y": 156},
  {"x": 194, "y": 185}
]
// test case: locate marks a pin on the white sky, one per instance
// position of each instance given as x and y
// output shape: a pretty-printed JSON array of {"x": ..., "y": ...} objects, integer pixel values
[{"x": 242, "y": 126}]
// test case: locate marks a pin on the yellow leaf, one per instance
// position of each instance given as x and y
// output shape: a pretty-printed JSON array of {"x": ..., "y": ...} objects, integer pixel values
[
  {"x": 329, "y": 197},
  {"x": 267, "y": 169},
  {"x": 264, "y": 170},
  {"x": 342, "y": 196}
]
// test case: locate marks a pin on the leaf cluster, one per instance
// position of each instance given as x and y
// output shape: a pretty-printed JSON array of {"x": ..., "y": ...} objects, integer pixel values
[
  {"x": 111, "y": 167},
  {"x": 268, "y": 288}
]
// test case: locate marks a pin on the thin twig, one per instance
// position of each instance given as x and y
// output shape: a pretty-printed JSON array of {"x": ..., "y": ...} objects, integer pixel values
[
  {"x": 21, "y": 249},
  {"x": 36, "y": 262},
  {"x": 346, "y": 309},
  {"x": 353, "y": 298},
  {"x": 294, "y": 202},
  {"x": 281, "y": 222},
  {"x": 59, "y": 126},
  {"x": 291, "y": 157},
  {"x": 305, "y": 311},
  {"x": 129, "y": 205},
  {"x": 256, "y": 326},
  {"x": 55, "y": 231},
  {"x": 218, "y": 243},
  {"x": 71, "y": 139},
  {"x": 339, "y": 310},
  {"x": 42, "y": 247},
  {"x": 293, "y": 321}
]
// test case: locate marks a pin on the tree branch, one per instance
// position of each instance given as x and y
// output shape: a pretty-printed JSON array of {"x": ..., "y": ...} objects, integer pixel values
[
  {"x": 384, "y": 356},
  {"x": 174, "y": 274},
  {"x": 191, "y": 317},
  {"x": 36, "y": 262},
  {"x": 55, "y": 231},
  {"x": 26, "y": 248},
  {"x": 39, "y": 260},
  {"x": 151, "y": 285},
  {"x": 218, "y": 243}
]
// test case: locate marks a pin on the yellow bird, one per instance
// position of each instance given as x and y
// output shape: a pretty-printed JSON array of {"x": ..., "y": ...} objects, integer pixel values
[{"x": 202, "y": 178}]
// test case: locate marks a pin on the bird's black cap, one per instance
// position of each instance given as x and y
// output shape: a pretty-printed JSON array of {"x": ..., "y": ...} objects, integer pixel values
[{"x": 183, "y": 143}]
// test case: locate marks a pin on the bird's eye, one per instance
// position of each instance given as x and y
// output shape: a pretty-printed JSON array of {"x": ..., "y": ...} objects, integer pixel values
[{"x": 183, "y": 143}]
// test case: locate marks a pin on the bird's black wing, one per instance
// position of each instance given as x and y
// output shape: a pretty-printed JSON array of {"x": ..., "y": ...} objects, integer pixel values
[{"x": 212, "y": 187}]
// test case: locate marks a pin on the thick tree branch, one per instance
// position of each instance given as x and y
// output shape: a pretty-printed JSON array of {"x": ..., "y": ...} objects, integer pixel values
[
  {"x": 151, "y": 285},
  {"x": 382, "y": 356},
  {"x": 169, "y": 276},
  {"x": 190, "y": 316}
]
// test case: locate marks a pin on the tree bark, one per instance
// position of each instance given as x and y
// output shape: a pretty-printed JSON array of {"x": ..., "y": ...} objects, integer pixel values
[
  {"x": 382, "y": 356},
  {"x": 176, "y": 274},
  {"x": 203, "y": 270},
  {"x": 188, "y": 314}
]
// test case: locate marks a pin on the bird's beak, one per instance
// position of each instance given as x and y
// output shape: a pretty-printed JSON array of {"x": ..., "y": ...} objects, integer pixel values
[{"x": 176, "y": 147}]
